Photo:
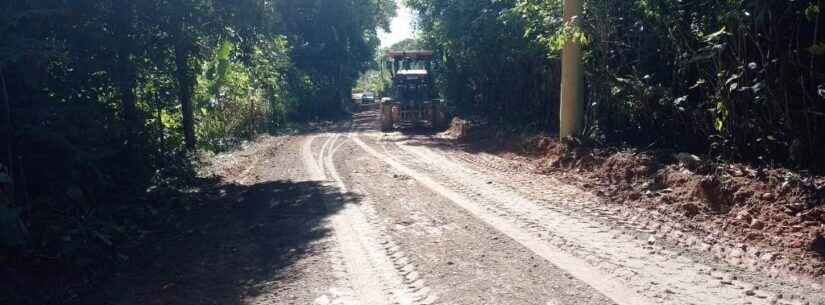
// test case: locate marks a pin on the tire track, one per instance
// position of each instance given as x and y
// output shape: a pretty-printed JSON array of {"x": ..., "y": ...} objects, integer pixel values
[
  {"x": 644, "y": 265},
  {"x": 407, "y": 276},
  {"x": 756, "y": 270},
  {"x": 463, "y": 259},
  {"x": 343, "y": 293},
  {"x": 375, "y": 270},
  {"x": 607, "y": 285}
]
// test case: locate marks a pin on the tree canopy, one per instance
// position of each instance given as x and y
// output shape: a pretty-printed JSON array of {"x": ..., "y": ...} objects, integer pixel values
[
  {"x": 741, "y": 80},
  {"x": 104, "y": 99}
]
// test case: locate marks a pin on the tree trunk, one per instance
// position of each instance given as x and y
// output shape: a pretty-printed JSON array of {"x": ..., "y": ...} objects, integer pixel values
[
  {"x": 572, "y": 100},
  {"x": 159, "y": 126},
  {"x": 126, "y": 79},
  {"x": 128, "y": 99},
  {"x": 9, "y": 132},
  {"x": 252, "y": 119},
  {"x": 185, "y": 88},
  {"x": 125, "y": 75},
  {"x": 130, "y": 111},
  {"x": 819, "y": 61}
]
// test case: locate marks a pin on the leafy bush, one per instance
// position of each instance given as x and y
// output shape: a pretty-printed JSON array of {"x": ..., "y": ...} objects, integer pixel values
[
  {"x": 106, "y": 102},
  {"x": 741, "y": 80}
]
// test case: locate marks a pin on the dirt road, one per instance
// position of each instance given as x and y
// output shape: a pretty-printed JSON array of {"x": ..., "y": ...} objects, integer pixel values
[
  {"x": 393, "y": 218},
  {"x": 438, "y": 226}
]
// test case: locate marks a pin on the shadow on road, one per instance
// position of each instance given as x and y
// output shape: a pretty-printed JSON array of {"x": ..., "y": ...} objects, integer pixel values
[{"x": 231, "y": 249}]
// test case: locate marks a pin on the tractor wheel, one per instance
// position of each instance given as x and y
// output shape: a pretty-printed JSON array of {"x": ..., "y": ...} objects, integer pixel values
[{"x": 386, "y": 117}]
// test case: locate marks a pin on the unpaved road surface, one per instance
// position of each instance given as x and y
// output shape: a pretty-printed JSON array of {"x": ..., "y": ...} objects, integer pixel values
[{"x": 378, "y": 218}]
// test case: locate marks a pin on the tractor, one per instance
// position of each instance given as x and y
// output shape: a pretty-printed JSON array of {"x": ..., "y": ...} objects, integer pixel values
[{"x": 412, "y": 101}]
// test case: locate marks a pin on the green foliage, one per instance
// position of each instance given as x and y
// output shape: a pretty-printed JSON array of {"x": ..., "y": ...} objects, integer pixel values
[
  {"x": 714, "y": 82},
  {"x": 375, "y": 81},
  {"x": 379, "y": 79},
  {"x": 485, "y": 62},
  {"x": 94, "y": 112},
  {"x": 331, "y": 49},
  {"x": 817, "y": 49},
  {"x": 739, "y": 79},
  {"x": 544, "y": 23},
  {"x": 405, "y": 45}
]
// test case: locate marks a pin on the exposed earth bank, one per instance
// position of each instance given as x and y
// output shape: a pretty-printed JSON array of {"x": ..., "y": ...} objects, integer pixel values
[{"x": 776, "y": 214}]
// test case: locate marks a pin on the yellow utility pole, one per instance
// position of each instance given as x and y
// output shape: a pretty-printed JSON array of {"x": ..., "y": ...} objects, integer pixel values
[{"x": 571, "y": 114}]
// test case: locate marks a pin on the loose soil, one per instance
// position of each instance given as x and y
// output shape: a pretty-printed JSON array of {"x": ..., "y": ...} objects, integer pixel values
[
  {"x": 462, "y": 260},
  {"x": 776, "y": 209},
  {"x": 262, "y": 239},
  {"x": 349, "y": 215}
]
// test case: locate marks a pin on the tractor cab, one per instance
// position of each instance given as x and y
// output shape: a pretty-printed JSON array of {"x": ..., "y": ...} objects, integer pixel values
[{"x": 412, "y": 101}]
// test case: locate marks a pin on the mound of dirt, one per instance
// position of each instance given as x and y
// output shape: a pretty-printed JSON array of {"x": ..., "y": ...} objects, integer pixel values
[
  {"x": 774, "y": 208},
  {"x": 236, "y": 165},
  {"x": 626, "y": 167},
  {"x": 460, "y": 130},
  {"x": 566, "y": 154}
]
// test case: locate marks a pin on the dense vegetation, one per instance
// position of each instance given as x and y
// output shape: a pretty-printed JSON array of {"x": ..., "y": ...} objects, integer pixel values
[
  {"x": 107, "y": 102},
  {"x": 378, "y": 78},
  {"x": 103, "y": 100},
  {"x": 739, "y": 80}
]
